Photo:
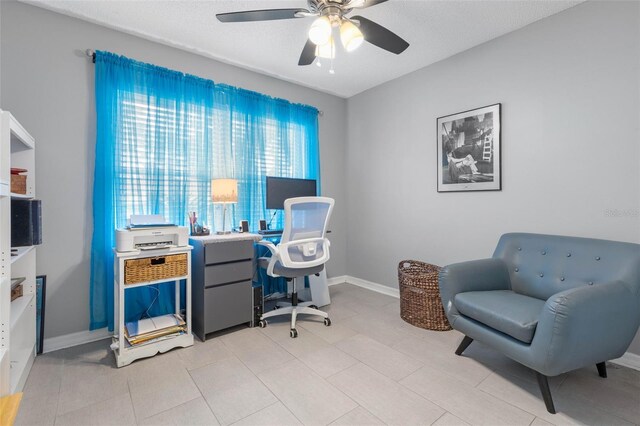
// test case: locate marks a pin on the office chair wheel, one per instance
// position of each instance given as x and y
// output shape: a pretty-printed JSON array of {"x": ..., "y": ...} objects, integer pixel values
[
  {"x": 327, "y": 322},
  {"x": 293, "y": 333},
  {"x": 262, "y": 323}
]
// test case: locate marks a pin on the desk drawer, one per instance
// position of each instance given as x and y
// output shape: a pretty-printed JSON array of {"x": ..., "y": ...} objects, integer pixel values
[
  {"x": 227, "y": 305},
  {"x": 228, "y": 252},
  {"x": 228, "y": 272}
]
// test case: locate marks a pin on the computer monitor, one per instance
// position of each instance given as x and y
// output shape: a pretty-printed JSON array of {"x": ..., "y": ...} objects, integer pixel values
[{"x": 279, "y": 189}]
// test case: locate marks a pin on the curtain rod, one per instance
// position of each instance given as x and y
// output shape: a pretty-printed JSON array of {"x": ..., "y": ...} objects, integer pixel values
[{"x": 92, "y": 54}]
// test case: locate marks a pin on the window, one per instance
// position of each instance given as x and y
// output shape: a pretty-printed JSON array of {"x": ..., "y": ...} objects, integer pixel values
[
  {"x": 162, "y": 145},
  {"x": 161, "y": 137}
]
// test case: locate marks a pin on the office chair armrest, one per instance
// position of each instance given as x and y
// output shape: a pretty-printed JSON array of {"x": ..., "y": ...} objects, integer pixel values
[
  {"x": 275, "y": 256},
  {"x": 268, "y": 244}
]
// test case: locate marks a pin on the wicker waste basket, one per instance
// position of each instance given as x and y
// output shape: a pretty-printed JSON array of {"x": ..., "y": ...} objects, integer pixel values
[{"x": 420, "y": 302}]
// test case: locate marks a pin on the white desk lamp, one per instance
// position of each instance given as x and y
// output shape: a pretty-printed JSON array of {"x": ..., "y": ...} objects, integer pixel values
[{"x": 224, "y": 191}]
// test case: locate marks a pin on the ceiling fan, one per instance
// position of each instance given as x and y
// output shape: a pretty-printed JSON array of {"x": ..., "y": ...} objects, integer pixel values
[{"x": 329, "y": 14}]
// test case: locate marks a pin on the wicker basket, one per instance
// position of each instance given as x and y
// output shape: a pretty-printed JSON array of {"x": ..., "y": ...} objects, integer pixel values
[
  {"x": 420, "y": 302},
  {"x": 155, "y": 268}
]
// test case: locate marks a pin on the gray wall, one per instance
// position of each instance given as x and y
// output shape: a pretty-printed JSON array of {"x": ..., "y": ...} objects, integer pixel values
[
  {"x": 47, "y": 83},
  {"x": 569, "y": 88}
]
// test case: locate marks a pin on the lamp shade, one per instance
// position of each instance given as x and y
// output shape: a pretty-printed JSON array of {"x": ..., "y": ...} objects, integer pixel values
[
  {"x": 224, "y": 190},
  {"x": 320, "y": 30},
  {"x": 351, "y": 36}
]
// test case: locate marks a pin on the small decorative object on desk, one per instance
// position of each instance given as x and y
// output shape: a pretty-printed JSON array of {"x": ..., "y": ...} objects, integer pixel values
[
  {"x": 195, "y": 228},
  {"x": 420, "y": 302}
]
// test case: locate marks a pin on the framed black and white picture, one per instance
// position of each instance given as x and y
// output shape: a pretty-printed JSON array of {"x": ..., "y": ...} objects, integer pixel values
[{"x": 469, "y": 150}]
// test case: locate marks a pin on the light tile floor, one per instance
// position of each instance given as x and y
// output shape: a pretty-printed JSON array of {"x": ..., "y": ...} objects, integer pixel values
[{"x": 368, "y": 368}]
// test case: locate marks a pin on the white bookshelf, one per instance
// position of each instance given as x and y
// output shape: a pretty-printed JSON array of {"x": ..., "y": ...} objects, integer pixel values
[{"x": 17, "y": 318}]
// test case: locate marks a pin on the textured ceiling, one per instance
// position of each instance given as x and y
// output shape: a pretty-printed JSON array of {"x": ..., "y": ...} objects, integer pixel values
[{"x": 435, "y": 30}]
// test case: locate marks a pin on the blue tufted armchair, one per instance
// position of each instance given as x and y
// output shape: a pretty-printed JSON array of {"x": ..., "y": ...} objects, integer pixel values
[{"x": 551, "y": 303}]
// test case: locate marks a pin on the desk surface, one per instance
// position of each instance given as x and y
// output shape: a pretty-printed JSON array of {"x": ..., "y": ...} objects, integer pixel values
[{"x": 234, "y": 236}]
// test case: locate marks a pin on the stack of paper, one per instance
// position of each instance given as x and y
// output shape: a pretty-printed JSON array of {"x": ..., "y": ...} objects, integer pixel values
[
  {"x": 138, "y": 221},
  {"x": 148, "y": 329}
]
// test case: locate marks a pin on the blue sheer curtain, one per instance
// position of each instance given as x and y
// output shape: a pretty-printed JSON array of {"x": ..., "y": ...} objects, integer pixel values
[
  {"x": 153, "y": 149},
  {"x": 161, "y": 137},
  {"x": 259, "y": 136}
]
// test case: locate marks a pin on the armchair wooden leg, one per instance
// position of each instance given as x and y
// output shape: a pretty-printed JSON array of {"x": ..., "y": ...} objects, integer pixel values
[
  {"x": 464, "y": 345},
  {"x": 546, "y": 393},
  {"x": 602, "y": 369}
]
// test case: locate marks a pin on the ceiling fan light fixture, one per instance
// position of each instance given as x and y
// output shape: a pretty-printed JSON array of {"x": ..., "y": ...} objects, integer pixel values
[
  {"x": 351, "y": 36},
  {"x": 320, "y": 31},
  {"x": 327, "y": 50}
]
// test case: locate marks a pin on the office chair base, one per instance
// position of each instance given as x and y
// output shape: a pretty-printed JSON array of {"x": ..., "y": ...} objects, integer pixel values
[
  {"x": 288, "y": 304},
  {"x": 302, "y": 308}
]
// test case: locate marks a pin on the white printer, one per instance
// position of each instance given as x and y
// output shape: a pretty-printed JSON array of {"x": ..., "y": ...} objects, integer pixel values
[{"x": 150, "y": 232}]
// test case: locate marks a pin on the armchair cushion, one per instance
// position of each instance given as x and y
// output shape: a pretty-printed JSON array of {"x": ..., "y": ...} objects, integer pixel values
[{"x": 504, "y": 310}]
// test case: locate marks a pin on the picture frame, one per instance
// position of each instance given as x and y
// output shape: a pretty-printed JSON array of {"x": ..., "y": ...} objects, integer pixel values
[
  {"x": 469, "y": 152},
  {"x": 41, "y": 301}
]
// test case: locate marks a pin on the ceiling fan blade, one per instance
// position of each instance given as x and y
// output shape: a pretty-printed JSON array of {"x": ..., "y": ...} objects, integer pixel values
[
  {"x": 308, "y": 54},
  {"x": 361, "y": 4},
  {"x": 380, "y": 36},
  {"x": 260, "y": 15}
]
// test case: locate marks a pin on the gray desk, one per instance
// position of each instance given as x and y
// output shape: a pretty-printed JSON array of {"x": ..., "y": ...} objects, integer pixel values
[{"x": 222, "y": 268}]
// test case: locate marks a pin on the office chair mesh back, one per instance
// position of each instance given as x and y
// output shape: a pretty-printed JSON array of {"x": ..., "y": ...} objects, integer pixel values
[{"x": 306, "y": 220}]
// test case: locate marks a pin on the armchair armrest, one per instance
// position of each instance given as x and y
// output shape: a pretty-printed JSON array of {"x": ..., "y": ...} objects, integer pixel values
[
  {"x": 586, "y": 325},
  {"x": 476, "y": 275}
]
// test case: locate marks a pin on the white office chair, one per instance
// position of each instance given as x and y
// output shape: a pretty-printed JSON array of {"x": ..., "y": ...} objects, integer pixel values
[{"x": 303, "y": 250}]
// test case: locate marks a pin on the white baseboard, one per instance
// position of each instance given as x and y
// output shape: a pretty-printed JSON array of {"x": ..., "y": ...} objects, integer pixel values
[
  {"x": 336, "y": 280},
  {"x": 628, "y": 360},
  {"x": 369, "y": 285},
  {"x": 74, "y": 339}
]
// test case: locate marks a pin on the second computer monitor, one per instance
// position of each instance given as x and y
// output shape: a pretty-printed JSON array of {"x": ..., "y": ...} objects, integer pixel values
[{"x": 279, "y": 189}]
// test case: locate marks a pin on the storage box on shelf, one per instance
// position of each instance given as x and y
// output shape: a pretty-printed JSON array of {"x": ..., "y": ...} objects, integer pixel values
[
  {"x": 17, "y": 317},
  {"x": 18, "y": 184}
]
